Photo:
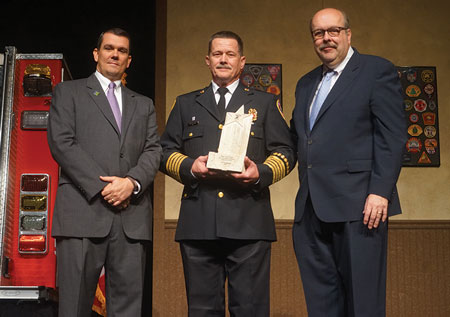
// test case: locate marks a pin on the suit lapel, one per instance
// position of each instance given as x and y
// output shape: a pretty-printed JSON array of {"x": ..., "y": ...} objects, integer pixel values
[
  {"x": 128, "y": 108},
  {"x": 310, "y": 88},
  {"x": 97, "y": 94},
  {"x": 241, "y": 96},
  {"x": 348, "y": 75},
  {"x": 206, "y": 99}
]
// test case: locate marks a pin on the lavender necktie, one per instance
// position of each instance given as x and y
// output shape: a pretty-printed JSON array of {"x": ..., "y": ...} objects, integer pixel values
[
  {"x": 114, "y": 104},
  {"x": 320, "y": 98}
]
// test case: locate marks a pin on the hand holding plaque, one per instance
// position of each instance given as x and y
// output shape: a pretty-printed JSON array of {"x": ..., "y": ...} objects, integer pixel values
[{"x": 233, "y": 143}]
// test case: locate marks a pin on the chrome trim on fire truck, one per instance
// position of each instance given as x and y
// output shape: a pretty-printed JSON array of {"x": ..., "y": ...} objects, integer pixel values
[
  {"x": 24, "y": 292},
  {"x": 6, "y": 127}
]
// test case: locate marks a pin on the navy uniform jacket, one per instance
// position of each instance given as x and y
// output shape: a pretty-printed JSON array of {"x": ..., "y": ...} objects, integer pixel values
[
  {"x": 222, "y": 208},
  {"x": 355, "y": 147}
]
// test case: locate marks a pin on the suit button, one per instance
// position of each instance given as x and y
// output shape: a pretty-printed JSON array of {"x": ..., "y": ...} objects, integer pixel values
[
  {"x": 220, "y": 194},
  {"x": 310, "y": 141},
  {"x": 190, "y": 134},
  {"x": 309, "y": 165},
  {"x": 121, "y": 155},
  {"x": 252, "y": 133},
  {"x": 221, "y": 126}
]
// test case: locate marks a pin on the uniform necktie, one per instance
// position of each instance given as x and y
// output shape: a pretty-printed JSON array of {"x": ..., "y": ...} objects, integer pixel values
[
  {"x": 320, "y": 98},
  {"x": 221, "y": 103},
  {"x": 114, "y": 104}
]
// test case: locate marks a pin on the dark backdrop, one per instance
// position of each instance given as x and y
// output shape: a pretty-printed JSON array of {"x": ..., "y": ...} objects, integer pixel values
[{"x": 72, "y": 28}]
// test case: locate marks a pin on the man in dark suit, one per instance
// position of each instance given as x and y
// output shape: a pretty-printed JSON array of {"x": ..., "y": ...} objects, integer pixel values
[
  {"x": 226, "y": 225},
  {"x": 349, "y": 128},
  {"x": 104, "y": 137}
]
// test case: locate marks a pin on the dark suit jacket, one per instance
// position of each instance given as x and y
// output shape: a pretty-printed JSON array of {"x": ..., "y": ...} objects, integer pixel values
[
  {"x": 85, "y": 141},
  {"x": 194, "y": 129},
  {"x": 355, "y": 147}
]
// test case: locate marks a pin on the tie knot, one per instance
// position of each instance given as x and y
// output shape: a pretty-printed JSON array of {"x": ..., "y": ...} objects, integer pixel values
[
  {"x": 329, "y": 73},
  {"x": 112, "y": 85},
  {"x": 222, "y": 91}
]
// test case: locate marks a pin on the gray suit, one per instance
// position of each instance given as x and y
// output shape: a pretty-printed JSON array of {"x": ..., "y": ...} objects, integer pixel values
[{"x": 85, "y": 141}]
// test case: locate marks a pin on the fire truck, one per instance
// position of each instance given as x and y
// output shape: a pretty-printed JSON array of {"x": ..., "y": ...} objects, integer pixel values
[{"x": 28, "y": 175}]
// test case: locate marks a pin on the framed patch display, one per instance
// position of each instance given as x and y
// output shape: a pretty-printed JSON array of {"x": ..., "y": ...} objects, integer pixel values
[
  {"x": 264, "y": 77},
  {"x": 419, "y": 90}
]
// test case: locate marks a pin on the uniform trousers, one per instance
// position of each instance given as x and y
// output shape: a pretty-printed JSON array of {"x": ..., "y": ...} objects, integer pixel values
[
  {"x": 342, "y": 265},
  {"x": 80, "y": 261},
  {"x": 246, "y": 265}
]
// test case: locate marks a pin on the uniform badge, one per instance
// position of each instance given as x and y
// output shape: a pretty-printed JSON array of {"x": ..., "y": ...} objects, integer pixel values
[
  {"x": 273, "y": 70},
  {"x": 414, "y": 117},
  {"x": 429, "y": 89},
  {"x": 258, "y": 87},
  {"x": 408, "y": 104},
  {"x": 254, "y": 114},
  {"x": 274, "y": 89},
  {"x": 430, "y": 145},
  {"x": 255, "y": 70},
  {"x": 413, "y": 145},
  {"x": 431, "y": 105},
  {"x": 427, "y": 76},
  {"x": 280, "y": 108},
  {"x": 420, "y": 105},
  {"x": 413, "y": 91},
  {"x": 429, "y": 131},
  {"x": 265, "y": 80},
  {"x": 415, "y": 130},
  {"x": 411, "y": 75},
  {"x": 429, "y": 118},
  {"x": 424, "y": 159},
  {"x": 247, "y": 80}
]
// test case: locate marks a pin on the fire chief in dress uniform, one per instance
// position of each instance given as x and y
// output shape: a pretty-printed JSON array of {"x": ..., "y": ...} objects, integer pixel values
[
  {"x": 104, "y": 137},
  {"x": 350, "y": 155},
  {"x": 226, "y": 224}
]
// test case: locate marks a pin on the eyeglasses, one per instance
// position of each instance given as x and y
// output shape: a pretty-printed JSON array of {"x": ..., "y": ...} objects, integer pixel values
[{"x": 333, "y": 32}]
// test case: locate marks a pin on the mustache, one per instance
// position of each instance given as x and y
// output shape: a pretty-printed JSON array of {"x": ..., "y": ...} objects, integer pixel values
[
  {"x": 327, "y": 45},
  {"x": 223, "y": 66}
]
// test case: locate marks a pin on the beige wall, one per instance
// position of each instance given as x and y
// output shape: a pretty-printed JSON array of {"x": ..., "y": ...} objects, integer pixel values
[{"x": 413, "y": 32}]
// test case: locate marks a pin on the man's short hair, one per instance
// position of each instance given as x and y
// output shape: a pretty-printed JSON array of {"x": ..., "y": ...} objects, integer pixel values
[
  {"x": 115, "y": 31},
  {"x": 344, "y": 15},
  {"x": 227, "y": 35}
]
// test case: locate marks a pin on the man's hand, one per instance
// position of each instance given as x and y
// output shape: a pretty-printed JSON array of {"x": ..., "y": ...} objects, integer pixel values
[
  {"x": 199, "y": 168},
  {"x": 118, "y": 191},
  {"x": 375, "y": 210},
  {"x": 250, "y": 175}
]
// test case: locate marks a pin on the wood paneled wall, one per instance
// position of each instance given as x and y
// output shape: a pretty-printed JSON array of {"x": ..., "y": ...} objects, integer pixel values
[{"x": 418, "y": 271}]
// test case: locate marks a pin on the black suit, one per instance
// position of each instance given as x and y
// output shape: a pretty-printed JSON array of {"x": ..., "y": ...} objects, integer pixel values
[
  {"x": 354, "y": 149},
  {"x": 85, "y": 141},
  {"x": 223, "y": 209}
]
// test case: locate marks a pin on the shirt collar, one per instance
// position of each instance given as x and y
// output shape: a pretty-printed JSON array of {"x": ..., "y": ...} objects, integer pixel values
[
  {"x": 338, "y": 69},
  {"x": 104, "y": 82},
  {"x": 231, "y": 87}
]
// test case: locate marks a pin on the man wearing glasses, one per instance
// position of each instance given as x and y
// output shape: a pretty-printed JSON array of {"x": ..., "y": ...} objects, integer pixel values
[{"x": 349, "y": 129}]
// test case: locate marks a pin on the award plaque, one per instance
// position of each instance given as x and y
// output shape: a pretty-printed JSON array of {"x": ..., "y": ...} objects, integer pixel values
[{"x": 233, "y": 143}]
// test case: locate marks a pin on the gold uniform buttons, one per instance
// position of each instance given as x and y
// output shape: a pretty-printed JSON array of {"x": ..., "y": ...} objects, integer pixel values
[
  {"x": 185, "y": 195},
  {"x": 191, "y": 134},
  {"x": 221, "y": 126},
  {"x": 220, "y": 194},
  {"x": 252, "y": 133}
]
